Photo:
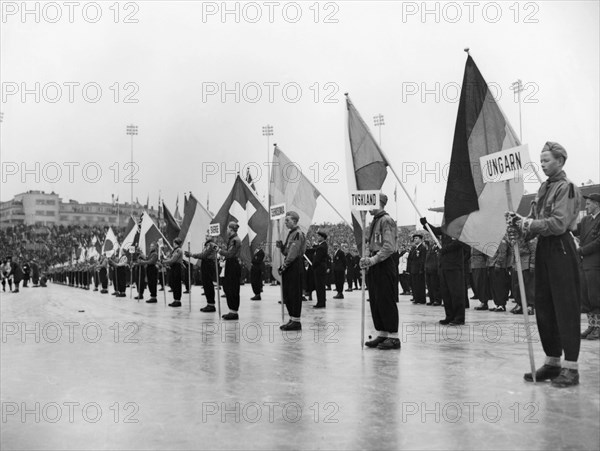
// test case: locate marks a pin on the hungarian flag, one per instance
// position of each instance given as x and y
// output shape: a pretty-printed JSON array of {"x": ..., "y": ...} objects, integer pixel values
[
  {"x": 172, "y": 228},
  {"x": 366, "y": 165},
  {"x": 242, "y": 206},
  {"x": 194, "y": 227},
  {"x": 290, "y": 187},
  {"x": 132, "y": 235},
  {"x": 149, "y": 233},
  {"x": 111, "y": 245},
  {"x": 474, "y": 210}
]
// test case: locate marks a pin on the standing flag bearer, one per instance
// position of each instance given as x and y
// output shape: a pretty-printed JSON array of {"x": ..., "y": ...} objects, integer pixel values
[{"x": 553, "y": 215}]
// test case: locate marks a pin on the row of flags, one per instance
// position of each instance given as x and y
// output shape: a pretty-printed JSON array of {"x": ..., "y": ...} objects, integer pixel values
[{"x": 473, "y": 210}]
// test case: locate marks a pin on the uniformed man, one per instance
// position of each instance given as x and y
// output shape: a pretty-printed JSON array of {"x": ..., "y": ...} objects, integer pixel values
[
  {"x": 291, "y": 270},
  {"x": 233, "y": 270},
  {"x": 382, "y": 278},
  {"x": 208, "y": 271},
  {"x": 553, "y": 213},
  {"x": 339, "y": 270},
  {"x": 103, "y": 273},
  {"x": 432, "y": 277},
  {"x": 120, "y": 266},
  {"x": 150, "y": 271},
  {"x": 256, "y": 271},
  {"x": 589, "y": 250},
  {"x": 481, "y": 281},
  {"x": 174, "y": 262},
  {"x": 320, "y": 268},
  {"x": 349, "y": 267},
  {"x": 416, "y": 268},
  {"x": 452, "y": 277}
]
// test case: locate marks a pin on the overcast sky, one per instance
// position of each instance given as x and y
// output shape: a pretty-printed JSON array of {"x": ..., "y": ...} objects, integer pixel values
[{"x": 163, "y": 67}]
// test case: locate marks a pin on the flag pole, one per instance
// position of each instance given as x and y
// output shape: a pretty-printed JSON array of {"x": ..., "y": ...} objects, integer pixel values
[
  {"x": 517, "y": 256},
  {"x": 190, "y": 276},
  {"x": 364, "y": 278},
  {"x": 140, "y": 282},
  {"x": 162, "y": 273},
  {"x": 411, "y": 201},
  {"x": 218, "y": 284},
  {"x": 281, "y": 284},
  {"x": 334, "y": 209}
]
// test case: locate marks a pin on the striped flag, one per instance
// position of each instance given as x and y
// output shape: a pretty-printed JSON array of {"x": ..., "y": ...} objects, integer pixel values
[
  {"x": 297, "y": 193},
  {"x": 474, "y": 210},
  {"x": 366, "y": 165},
  {"x": 132, "y": 235},
  {"x": 148, "y": 234},
  {"x": 195, "y": 224}
]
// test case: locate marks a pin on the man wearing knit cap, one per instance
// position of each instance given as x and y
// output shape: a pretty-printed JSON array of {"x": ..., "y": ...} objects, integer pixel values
[
  {"x": 291, "y": 270},
  {"x": 589, "y": 251},
  {"x": 382, "y": 278},
  {"x": 233, "y": 270},
  {"x": 553, "y": 214}
]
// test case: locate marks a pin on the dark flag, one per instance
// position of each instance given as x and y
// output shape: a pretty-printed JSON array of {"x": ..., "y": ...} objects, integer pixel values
[
  {"x": 474, "y": 210},
  {"x": 242, "y": 206},
  {"x": 172, "y": 228}
]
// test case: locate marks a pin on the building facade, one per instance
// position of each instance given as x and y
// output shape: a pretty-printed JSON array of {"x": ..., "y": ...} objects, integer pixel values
[{"x": 42, "y": 209}]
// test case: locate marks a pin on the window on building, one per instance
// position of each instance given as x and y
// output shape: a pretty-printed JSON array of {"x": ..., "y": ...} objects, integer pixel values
[
  {"x": 50, "y": 202},
  {"x": 50, "y": 213},
  {"x": 40, "y": 202},
  {"x": 64, "y": 218},
  {"x": 112, "y": 220},
  {"x": 40, "y": 212}
]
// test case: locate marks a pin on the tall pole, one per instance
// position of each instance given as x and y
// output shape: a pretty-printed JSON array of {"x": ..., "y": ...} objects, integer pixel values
[
  {"x": 517, "y": 87},
  {"x": 378, "y": 123},
  {"x": 132, "y": 130},
  {"x": 267, "y": 131}
]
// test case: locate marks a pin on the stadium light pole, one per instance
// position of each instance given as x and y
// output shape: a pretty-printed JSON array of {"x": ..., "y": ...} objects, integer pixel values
[
  {"x": 267, "y": 131},
  {"x": 132, "y": 130},
  {"x": 517, "y": 87},
  {"x": 378, "y": 123}
]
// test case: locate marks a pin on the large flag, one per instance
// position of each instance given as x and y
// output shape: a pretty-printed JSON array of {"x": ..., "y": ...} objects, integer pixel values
[
  {"x": 288, "y": 185},
  {"x": 474, "y": 211},
  {"x": 132, "y": 235},
  {"x": 148, "y": 234},
  {"x": 195, "y": 225},
  {"x": 367, "y": 166},
  {"x": 172, "y": 228},
  {"x": 81, "y": 253},
  {"x": 242, "y": 206},
  {"x": 111, "y": 245}
]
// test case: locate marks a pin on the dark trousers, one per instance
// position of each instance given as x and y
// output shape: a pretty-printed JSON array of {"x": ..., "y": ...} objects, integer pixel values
[
  {"x": 207, "y": 271},
  {"x": 175, "y": 281},
  {"x": 256, "y": 279},
  {"x": 231, "y": 285},
  {"x": 320, "y": 279},
  {"x": 382, "y": 280},
  {"x": 25, "y": 280},
  {"x": 556, "y": 287},
  {"x": 452, "y": 288},
  {"x": 500, "y": 286},
  {"x": 292, "y": 288},
  {"x": 405, "y": 282},
  {"x": 103, "y": 278},
  {"x": 152, "y": 276},
  {"x": 528, "y": 281},
  {"x": 481, "y": 284},
  {"x": 349, "y": 278},
  {"x": 433, "y": 286},
  {"x": 590, "y": 290},
  {"x": 121, "y": 278},
  {"x": 338, "y": 278},
  {"x": 417, "y": 281},
  {"x": 140, "y": 280}
]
